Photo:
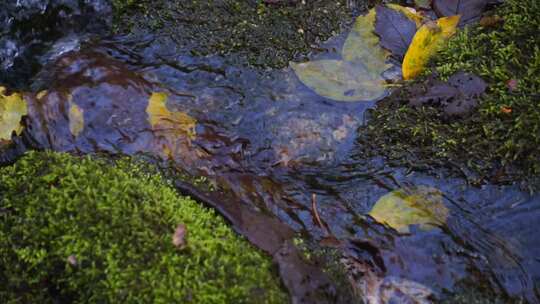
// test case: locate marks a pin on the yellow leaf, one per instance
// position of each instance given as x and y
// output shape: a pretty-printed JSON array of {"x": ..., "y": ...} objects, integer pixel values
[
  {"x": 340, "y": 80},
  {"x": 362, "y": 45},
  {"x": 422, "y": 206},
  {"x": 411, "y": 13},
  {"x": 76, "y": 119},
  {"x": 426, "y": 42},
  {"x": 12, "y": 109},
  {"x": 163, "y": 120}
]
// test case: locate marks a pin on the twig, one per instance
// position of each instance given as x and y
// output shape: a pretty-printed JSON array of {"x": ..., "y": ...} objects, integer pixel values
[{"x": 315, "y": 212}]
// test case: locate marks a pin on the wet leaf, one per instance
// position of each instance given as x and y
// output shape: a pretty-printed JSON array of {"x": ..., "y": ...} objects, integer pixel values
[
  {"x": 395, "y": 30},
  {"x": 163, "y": 120},
  {"x": 426, "y": 42},
  {"x": 76, "y": 118},
  {"x": 340, "y": 80},
  {"x": 422, "y": 206},
  {"x": 362, "y": 45},
  {"x": 469, "y": 10},
  {"x": 179, "y": 236},
  {"x": 12, "y": 109}
]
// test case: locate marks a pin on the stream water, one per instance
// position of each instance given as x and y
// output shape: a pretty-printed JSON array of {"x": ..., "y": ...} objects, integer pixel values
[{"x": 279, "y": 148}]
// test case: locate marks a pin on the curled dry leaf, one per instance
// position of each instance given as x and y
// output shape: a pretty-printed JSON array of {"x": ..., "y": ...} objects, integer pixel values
[
  {"x": 179, "y": 238},
  {"x": 12, "y": 108},
  {"x": 426, "y": 42},
  {"x": 422, "y": 206}
]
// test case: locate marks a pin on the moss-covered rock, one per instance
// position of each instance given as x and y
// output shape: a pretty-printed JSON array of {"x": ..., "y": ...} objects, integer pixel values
[
  {"x": 257, "y": 34},
  {"x": 93, "y": 231},
  {"x": 499, "y": 141}
]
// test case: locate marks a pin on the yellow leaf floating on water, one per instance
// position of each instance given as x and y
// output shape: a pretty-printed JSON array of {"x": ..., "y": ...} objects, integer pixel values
[
  {"x": 76, "y": 118},
  {"x": 163, "y": 120},
  {"x": 362, "y": 45},
  {"x": 12, "y": 109},
  {"x": 358, "y": 76},
  {"x": 340, "y": 80},
  {"x": 426, "y": 42},
  {"x": 421, "y": 205}
]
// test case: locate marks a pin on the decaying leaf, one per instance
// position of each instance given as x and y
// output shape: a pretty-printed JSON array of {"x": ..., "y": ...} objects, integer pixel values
[
  {"x": 340, "y": 80},
  {"x": 163, "y": 120},
  {"x": 362, "y": 45},
  {"x": 12, "y": 108},
  {"x": 426, "y": 42},
  {"x": 179, "y": 238},
  {"x": 469, "y": 10},
  {"x": 76, "y": 118},
  {"x": 395, "y": 30},
  {"x": 421, "y": 205}
]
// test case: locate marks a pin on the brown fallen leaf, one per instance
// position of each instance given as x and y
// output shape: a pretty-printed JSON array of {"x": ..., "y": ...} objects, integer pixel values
[
  {"x": 506, "y": 110},
  {"x": 72, "y": 260},
  {"x": 512, "y": 85},
  {"x": 179, "y": 236},
  {"x": 491, "y": 21}
]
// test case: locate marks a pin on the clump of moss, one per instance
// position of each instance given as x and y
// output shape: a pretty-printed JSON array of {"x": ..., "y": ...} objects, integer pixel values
[
  {"x": 257, "y": 33},
  {"x": 90, "y": 231},
  {"x": 500, "y": 141}
]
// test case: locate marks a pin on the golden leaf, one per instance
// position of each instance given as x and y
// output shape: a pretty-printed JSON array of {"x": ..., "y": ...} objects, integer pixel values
[
  {"x": 163, "y": 120},
  {"x": 340, "y": 80},
  {"x": 76, "y": 118},
  {"x": 12, "y": 109},
  {"x": 426, "y": 42},
  {"x": 420, "y": 205},
  {"x": 362, "y": 45}
]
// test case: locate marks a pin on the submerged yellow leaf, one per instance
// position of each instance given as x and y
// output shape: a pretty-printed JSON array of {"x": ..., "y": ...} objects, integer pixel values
[
  {"x": 362, "y": 45},
  {"x": 411, "y": 13},
  {"x": 422, "y": 206},
  {"x": 163, "y": 120},
  {"x": 76, "y": 119},
  {"x": 426, "y": 42},
  {"x": 12, "y": 109},
  {"x": 340, "y": 80}
]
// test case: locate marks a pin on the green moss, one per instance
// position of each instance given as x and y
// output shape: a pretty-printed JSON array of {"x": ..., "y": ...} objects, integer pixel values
[
  {"x": 256, "y": 33},
  {"x": 491, "y": 143},
  {"x": 90, "y": 231}
]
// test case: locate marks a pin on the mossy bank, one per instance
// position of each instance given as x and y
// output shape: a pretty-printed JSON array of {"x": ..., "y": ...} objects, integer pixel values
[
  {"x": 249, "y": 32},
  {"x": 499, "y": 141},
  {"x": 86, "y": 230}
]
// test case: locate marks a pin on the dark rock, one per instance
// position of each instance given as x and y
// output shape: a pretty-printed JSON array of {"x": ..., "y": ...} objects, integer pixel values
[{"x": 28, "y": 28}]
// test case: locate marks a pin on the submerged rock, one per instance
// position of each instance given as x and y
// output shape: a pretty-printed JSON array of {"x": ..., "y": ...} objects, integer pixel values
[{"x": 28, "y": 29}]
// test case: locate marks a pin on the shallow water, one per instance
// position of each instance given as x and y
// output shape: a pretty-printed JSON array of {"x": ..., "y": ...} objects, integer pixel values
[{"x": 272, "y": 143}]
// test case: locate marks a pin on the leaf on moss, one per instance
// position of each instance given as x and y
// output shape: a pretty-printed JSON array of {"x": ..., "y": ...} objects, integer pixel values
[
  {"x": 362, "y": 45},
  {"x": 395, "y": 29},
  {"x": 340, "y": 80},
  {"x": 12, "y": 109},
  {"x": 426, "y": 42},
  {"x": 76, "y": 118},
  {"x": 469, "y": 10},
  {"x": 179, "y": 236},
  {"x": 421, "y": 205}
]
